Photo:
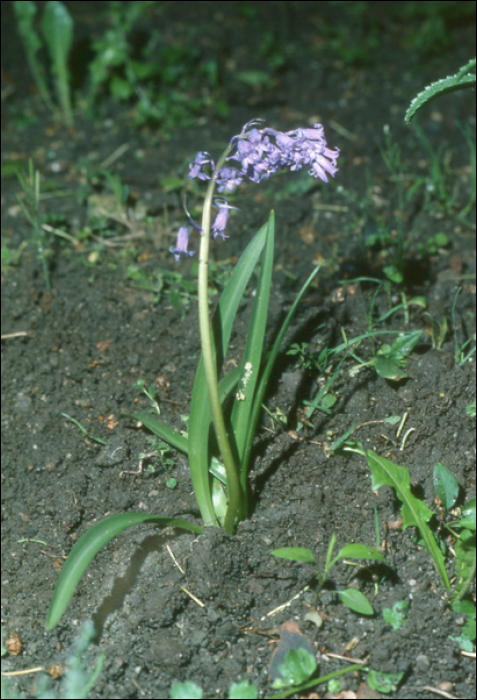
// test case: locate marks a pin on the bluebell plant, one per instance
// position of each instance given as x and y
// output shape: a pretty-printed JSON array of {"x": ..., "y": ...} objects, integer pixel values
[{"x": 219, "y": 443}]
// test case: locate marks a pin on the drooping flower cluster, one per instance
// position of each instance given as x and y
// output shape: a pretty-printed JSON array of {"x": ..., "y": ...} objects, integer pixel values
[{"x": 259, "y": 154}]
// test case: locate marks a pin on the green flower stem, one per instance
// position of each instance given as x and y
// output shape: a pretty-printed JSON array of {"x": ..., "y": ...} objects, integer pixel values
[{"x": 234, "y": 491}]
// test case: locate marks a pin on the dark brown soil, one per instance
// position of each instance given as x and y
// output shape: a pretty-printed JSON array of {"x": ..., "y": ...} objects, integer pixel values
[{"x": 91, "y": 337}]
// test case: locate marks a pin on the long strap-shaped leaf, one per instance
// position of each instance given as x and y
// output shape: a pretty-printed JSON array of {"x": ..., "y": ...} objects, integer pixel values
[
  {"x": 199, "y": 417},
  {"x": 252, "y": 355},
  {"x": 89, "y": 545},
  {"x": 414, "y": 512},
  {"x": 264, "y": 378}
]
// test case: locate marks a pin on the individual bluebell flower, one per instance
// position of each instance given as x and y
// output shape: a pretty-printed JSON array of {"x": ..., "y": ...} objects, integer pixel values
[
  {"x": 218, "y": 227},
  {"x": 182, "y": 243},
  {"x": 228, "y": 179},
  {"x": 195, "y": 168}
]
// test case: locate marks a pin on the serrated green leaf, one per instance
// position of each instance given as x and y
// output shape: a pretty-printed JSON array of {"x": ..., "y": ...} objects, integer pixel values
[
  {"x": 356, "y": 601},
  {"x": 414, "y": 512},
  {"x": 440, "y": 87},
  {"x": 243, "y": 691}
]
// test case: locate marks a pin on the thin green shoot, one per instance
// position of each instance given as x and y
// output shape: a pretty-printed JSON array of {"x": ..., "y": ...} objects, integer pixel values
[
  {"x": 438, "y": 339},
  {"x": 30, "y": 205},
  {"x": 84, "y": 430}
]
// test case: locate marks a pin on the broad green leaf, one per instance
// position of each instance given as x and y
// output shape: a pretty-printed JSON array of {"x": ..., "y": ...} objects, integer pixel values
[
  {"x": 388, "y": 368},
  {"x": 356, "y": 601},
  {"x": 297, "y": 668},
  {"x": 295, "y": 553},
  {"x": 200, "y": 415},
  {"x": 186, "y": 691},
  {"x": 90, "y": 544},
  {"x": 414, "y": 512},
  {"x": 360, "y": 551},
  {"x": 402, "y": 346},
  {"x": 446, "y": 486}
]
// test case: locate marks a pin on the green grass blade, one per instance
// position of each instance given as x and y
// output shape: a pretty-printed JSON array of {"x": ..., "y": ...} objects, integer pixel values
[
  {"x": 414, "y": 512},
  {"x": 163, "y": 431},
  {"x": 199, "y": 417},
  {"x": 262, "y": 385},
  {"x": 89, "y": 545},
  {"x": 252, "y": 355}
]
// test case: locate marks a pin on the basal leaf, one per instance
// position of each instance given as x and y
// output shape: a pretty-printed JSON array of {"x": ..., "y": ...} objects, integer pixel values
[
  {"x": 253, "y": 351},
  {"x": 89, "y": 545}
]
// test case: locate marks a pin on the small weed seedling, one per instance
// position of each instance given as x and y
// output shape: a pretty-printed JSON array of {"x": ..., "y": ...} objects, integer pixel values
[
  {"x": 354, "y": 599},
  {"x": 150, "y": 392},
  {"x": 84, "y": 430},
  {"x": 30, "y": 206},
  {"x": 396, "y": 616},
  {"x": 161, "y": 451}
]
